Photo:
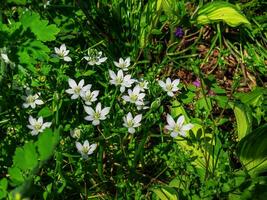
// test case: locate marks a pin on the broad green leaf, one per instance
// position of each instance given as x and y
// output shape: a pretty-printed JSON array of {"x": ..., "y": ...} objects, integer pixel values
[
  {"x": 46, "y": 144},
  {"x": 3, "y": 188},
  {"x": 166, "y": 193},
  {"x": 251, "y": 98},
  {"x": 45, "y": 112},
  {"x": 15, "y": 175},
  {"x": 40, "y": 28},
  {"x": 253, "y": 150},
  {"x": 221, "y": 11},
  {"x": 26, "y": 158},
  {"x": 243, "y": 119}
]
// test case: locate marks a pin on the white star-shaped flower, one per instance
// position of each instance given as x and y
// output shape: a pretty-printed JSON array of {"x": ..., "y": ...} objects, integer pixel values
[
  {"x": 77, "y": 90},
  {"x": 31, "y": 100},
  {"x": 96, "y": 115},
  {"x": 90, "y": 97},
  {"x": 123, "y": 64},
  {"x": 94, "y": 57},
  {"x": 85, "y": 149},
  {"x": 37, "y": 126},
  {"x": 62, "y": 53},
  {"x": 134, "y": 96},
  {"x": 170, "y": 87},
  {"x": 143, "y": 85},
  {"x": 177, "y": 128},
  {"x": 132, "y": 123},
  {"x": 121, "y": 80}
]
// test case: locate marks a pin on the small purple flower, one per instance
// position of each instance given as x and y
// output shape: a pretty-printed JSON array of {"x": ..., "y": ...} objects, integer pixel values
[
  {"x": 197, "y": 83},
  {"x": 179, "y": 32}
]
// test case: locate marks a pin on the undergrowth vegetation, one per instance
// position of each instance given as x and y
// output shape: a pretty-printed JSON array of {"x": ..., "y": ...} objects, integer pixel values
[{"x": 128, "y": 99}]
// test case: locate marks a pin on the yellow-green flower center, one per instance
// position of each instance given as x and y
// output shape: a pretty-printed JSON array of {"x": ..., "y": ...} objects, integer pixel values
[{"x": 30, "y": 99}]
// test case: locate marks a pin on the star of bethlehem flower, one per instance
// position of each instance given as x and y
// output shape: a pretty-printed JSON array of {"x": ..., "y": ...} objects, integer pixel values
[
  {"x": 123, "y": 64},
  {"x": 178, "y": 127},
  {"x": 94, "y": 57},
  {"x": 5, "y": 58},
  {"x": 31, "y": 100},
  {"x": 132, "y": 123},
  {"x": 62, "y": 53},
  {"x": 134, "y": 96},
  {"x": 90, "y": 97},
  {"x": 143, "y": 85},
  {"x": 120, "y": 80},
  {"x": 85, "y": 149},
  {"x": 77, "y": 90},
  {"x": 37, "y": 125},
  {"x": 170, "y": 86},
  {"x": 96, "y": 115}
]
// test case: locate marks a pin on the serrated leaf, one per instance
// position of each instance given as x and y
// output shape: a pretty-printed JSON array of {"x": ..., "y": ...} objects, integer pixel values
[
  {"x": 40, "y": 28},
  {"x": 26, "y": 158}
]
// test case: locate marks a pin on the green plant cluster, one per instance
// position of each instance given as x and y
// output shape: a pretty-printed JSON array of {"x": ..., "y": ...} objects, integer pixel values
[{"x": 128, "y": 99}]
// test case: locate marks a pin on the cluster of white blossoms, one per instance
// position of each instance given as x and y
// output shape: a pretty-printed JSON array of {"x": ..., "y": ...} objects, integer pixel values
[
  {"x": 94, "y": 57},
  {"x": 36, "y": 125}
]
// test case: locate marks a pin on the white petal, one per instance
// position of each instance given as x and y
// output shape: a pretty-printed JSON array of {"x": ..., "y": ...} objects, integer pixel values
[
  {"x": 86, "y": 144},
  {"x": 180, "y": 120},
  {"x": 122, "y": 89},
  {"x": 112, "y": 74},
  {"x": 170, "y": 94},
  {"x": 40, "y": 120},
  {"x": 170, "y": 121},
  {"x": 176, "y": 82},
  {"x": 174, "y": 134},
  {"x": 25, "y": 105},
  {"x": 129, "y": 116},
  {"x": 89, "y": 118},
  {"x": 70, "y": 91},
  {"x": 89, "y": 110},
  {"x": 168, "y": 81},
  {"x": 32, "y": 120},
  {"x": 187, "y": 127},
  {"x": 105, "y": 111},
  {"x": 92, "y": 148},
  {"x": 162, "y": 84},
  {"x": 116, "y": 64},
  {"x": 98, "y": 107},
  {"x": 63, "y": 47},
  {"x": 75, "y": 96},
  {"x": 138, "y": 118},
  {"x": 57, "y": 50},
  {"x": 126, "y": 98},
  {"x": 79, "y": 146},
  {"x": 96, "y": 122},
  {"x": 102, "y": 59},
  {"x": 72, "y": 83},
  {"x": 81, "y": 83},
  {"x": 131, "y": 130},
  {"x": 47, "y": 124},
  {"x": 168, "y": 127},
  {"x": 67, "y": 59},
  {"x": 39, "y": 102}
]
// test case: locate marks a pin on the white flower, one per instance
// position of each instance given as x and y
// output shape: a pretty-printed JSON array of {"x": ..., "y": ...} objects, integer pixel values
[
  {"x": 37, "y": 126},
  {"x": 143, "y": 85},
  {"x": 94, "y": 57},
  {"x": 90, "y": 97},
  {"x": 123, "y": 64},
  {"x": 177, "y": 128},
  {"x": 134, "y": 96},
  {"x": 62, "y": 53},
  {"x": 97, "y": 114},
  {"x": 170, "y": 86},
  {"x": 5, "y": 58},
  {"x": 76, "y": 133},
  {"x": 77, "y": 90},
  {"x": 31, "y": 100},
  {"x": 85, "y": 149},
  {"x": 121, "y": 80},
  {"x": 132, "y": 123}
]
